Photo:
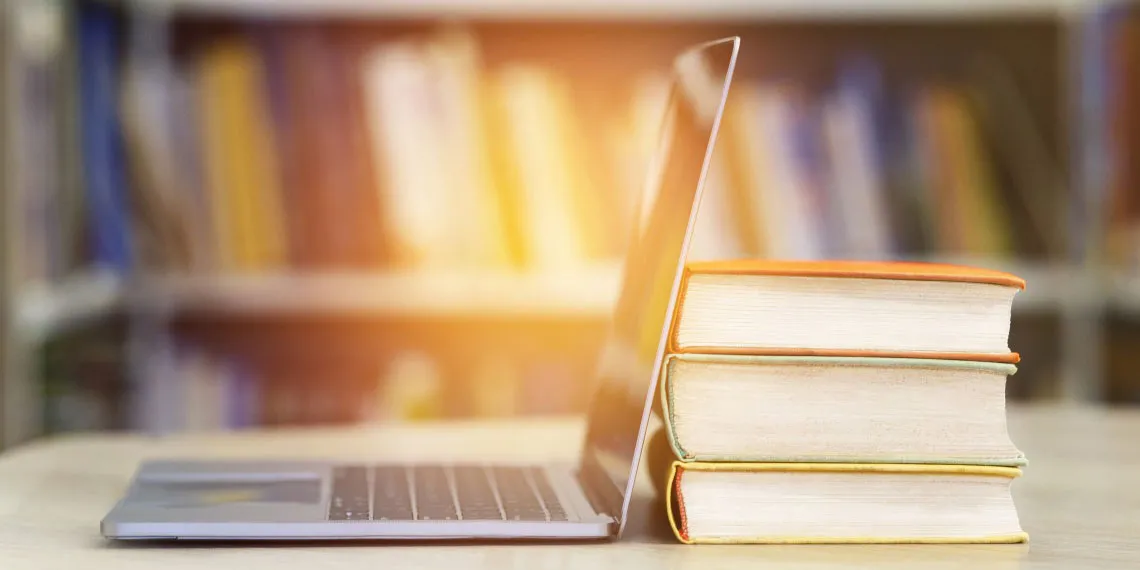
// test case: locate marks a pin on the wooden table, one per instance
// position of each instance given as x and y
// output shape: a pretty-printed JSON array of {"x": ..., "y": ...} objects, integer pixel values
[{"x": 1079, "y": 500}]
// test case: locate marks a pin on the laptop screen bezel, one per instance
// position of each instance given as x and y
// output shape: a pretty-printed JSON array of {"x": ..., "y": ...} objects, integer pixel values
[{"x": 593, "y": 476}]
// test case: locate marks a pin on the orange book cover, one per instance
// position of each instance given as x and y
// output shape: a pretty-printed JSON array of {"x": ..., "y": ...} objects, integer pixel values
[{"x": 895, "y": 270}]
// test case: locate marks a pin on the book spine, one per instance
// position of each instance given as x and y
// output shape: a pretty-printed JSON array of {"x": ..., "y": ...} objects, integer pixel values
[
  {"x": 675, "y": 504},
  {"x": 671, "y": 344},
  {"x": 679, "y": 522},
  {"x": 666, "y": 394},
  {"x": 102, "y": 139}
]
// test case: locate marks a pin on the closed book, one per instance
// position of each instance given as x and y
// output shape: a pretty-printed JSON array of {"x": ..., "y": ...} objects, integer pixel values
[
  {"x": 777, "y": 202},
  {"x": 330, "y": 201},
  {"x": 845, "y": 308},
  {"x": 961, "y": 177},
  {"x": 240, "y": 161},
  {"x": 848, "y": 123},
  {"x": 536, "y": 118},
  {"x": 716, "y": 235},
  {"x": 476, "y": 207},
  {"x": 837, "y": 409},
  {"x": 408, "y": 142},
  {"x": 814, "y": 503},
  {"x": 152, "y": 99},
  {"x": 104, "y": 162}
]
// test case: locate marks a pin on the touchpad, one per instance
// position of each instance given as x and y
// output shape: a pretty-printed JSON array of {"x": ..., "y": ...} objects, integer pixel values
[{"x": 204, "y": 493}]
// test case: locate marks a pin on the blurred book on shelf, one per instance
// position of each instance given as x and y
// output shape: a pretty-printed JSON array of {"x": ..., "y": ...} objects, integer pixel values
[
  {"x": 1122, "y": 367},
  {"x": 40, "y": 100},
  {"x": 1111, "y": 57},
  {"x": 85, "y": 381}
]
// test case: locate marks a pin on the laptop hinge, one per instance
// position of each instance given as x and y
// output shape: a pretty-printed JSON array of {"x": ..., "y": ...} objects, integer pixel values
[{"x": 603, "y": 496}]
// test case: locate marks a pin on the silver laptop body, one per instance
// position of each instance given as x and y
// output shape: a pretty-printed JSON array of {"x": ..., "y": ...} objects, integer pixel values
[{"x": 305, "y": 500}]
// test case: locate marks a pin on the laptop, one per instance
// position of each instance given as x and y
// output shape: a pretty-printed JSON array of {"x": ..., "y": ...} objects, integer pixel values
[{"x": 308, "y": 500}]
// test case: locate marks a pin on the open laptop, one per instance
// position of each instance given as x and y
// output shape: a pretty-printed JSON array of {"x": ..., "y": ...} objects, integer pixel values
[{"x": 259, "y": 500}]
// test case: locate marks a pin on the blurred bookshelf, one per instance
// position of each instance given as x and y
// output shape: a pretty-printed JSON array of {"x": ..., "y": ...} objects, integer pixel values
[
  {"x": 44, "y": 310},
  {"x": 588, "y": 293},
  {"x": 250, "y": 212},
  {"x": 715, "y": 10}
]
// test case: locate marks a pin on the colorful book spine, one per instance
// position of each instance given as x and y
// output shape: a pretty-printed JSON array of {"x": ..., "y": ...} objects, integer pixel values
[{"x": 104, "y": 163}]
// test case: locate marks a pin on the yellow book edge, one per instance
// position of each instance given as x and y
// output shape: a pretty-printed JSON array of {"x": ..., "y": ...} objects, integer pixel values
[{"x": 677, "y": 511}]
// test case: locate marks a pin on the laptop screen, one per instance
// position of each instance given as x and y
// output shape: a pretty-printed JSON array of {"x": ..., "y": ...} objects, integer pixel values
[{"x": 633, "y": 353}]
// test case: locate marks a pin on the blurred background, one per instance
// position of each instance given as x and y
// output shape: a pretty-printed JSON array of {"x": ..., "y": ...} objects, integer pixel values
[{"x": 220, "y": 214}]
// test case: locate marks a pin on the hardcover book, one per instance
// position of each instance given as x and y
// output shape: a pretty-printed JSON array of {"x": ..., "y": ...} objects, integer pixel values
[
  {"x": 845, "y": 308},
  {"x": 837, "y": 409},
  {"x": 812, "y": 503}
]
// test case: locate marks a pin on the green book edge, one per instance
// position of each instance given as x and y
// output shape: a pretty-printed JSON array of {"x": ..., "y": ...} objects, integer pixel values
[{"x": 666, "y": 395}]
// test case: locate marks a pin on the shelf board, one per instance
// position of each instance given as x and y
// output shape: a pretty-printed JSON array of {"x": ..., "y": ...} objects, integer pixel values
[
  {"x": 1054, "y": 286},
  {"x": 1123, "y": 290},
  {"x": 1048, "y": 286},
  {"x": 683, "y": 10},
  {"x": 43, "y": 310},
  {"x": 588, "y": 292}
]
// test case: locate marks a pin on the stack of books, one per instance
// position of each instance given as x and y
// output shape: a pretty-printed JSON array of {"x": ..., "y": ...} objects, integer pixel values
[{"x": 841, "y": 402}]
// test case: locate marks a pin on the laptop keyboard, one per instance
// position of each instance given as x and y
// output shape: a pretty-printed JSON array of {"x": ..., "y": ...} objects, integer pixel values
[{"x": 442, "y": 492}]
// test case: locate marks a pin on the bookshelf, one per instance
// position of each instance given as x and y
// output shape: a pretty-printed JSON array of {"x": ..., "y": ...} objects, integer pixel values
[
  {"x": 41, "y": 312},
  {"x": 1053, "y": 286},
  {"x": 639, "y": 10},
  {"x": 1068, "y": 287},
  {"x": 45, "y": 310},
  {"x": 586, "y": 293}
]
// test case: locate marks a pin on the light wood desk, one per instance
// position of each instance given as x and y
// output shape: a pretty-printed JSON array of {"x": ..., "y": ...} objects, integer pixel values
[{"x": 1079, "y": 500}]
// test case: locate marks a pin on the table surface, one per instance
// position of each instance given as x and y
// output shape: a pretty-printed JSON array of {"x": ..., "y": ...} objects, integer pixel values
[{"x": 1079, "y": 500}]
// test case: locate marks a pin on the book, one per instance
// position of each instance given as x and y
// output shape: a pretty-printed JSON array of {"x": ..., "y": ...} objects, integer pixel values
[
  {"x": 240, "y": 163},
  {"x": 845, "y": 308},
  {"x": 331, "y": 204},
  {"x": 184, "y": 143},
  {"x": 813, "y": 503},
  {"x": 104, "y": 162},
  {"x": 493, "y": 386},
  {"x": 648, "y": 105},
  {"x": 412, "y": 388},
  {"x": 908, "y": 200},
  {"x": 783, "y": 212},
  {"x": 855, "y": 165},
  {"x": 837, "y": 409},
  {"x": 476, "y": 202},
  {"x": 716, "y": 235},
  {"x": 37, "y": 86},
  {"x": 85, "y": 375},
  {"x": 1121, "y": 207},
  {"x": 536, "y": 116},
  {"x": 1030, "y": 180},
  {"x": 408, "y": 142},
  {"x": 152, "y": 102},
  {"x": 962, "y": 183},
  {"x": 810, "y": 170}
]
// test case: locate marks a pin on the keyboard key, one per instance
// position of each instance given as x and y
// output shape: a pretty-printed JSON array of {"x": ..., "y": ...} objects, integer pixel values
[
  {"x": 392, "y": 500},
  {"x": 519, "y": 501},
  {"x": 476, "y": 497},
  {"x": 434, "y": 500},
  {"x": 546, "y": 492},
  {"x": 349, "y": 497}
]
